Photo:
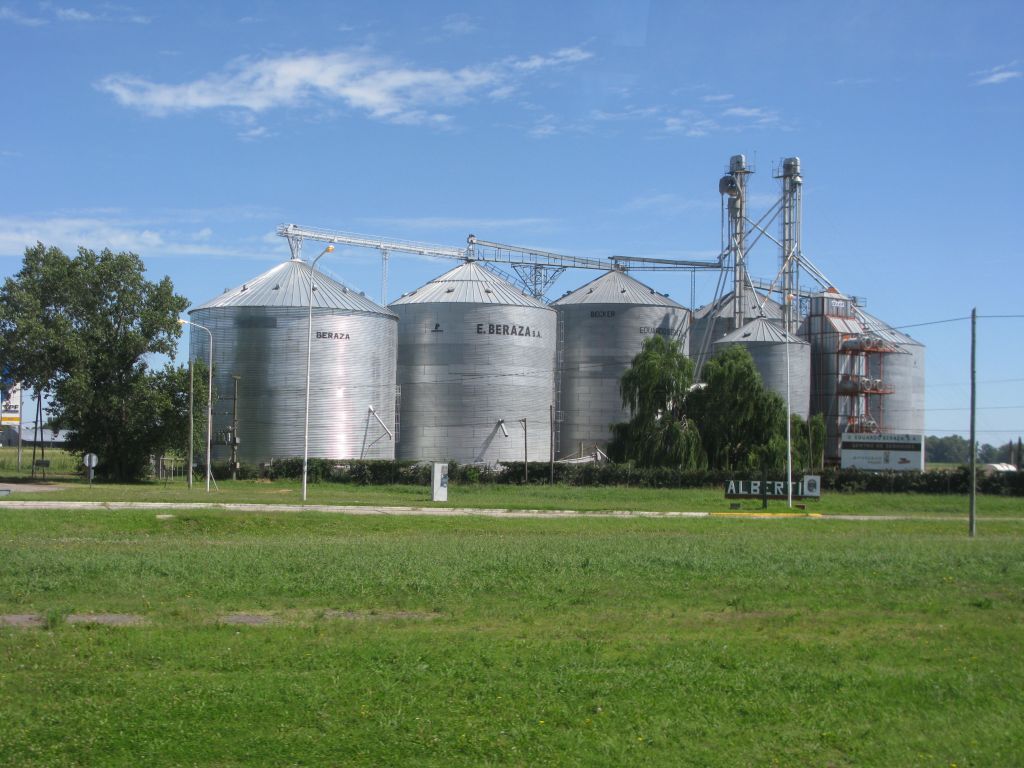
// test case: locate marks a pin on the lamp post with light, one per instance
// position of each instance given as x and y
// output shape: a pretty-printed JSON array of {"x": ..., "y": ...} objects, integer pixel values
[
  {"x": 209, "y": 406},
  {"x": 309, "y": 358},
  {"x": 789, "y": 421}
]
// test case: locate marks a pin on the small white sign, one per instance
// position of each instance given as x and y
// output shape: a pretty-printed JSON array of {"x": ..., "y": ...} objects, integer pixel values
[
  {"x": 439, "y": 482},
  {"x": 812, "y": 486},
  {"x": 91, "y": 460}
]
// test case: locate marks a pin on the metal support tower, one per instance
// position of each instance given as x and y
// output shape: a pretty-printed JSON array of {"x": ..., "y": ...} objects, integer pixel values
[
  {"x": 792, "y": 185},
  {"x": 734, "y": 184}
]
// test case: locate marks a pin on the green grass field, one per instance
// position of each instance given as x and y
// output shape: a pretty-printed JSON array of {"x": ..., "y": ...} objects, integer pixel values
[
  {"x": 475, "y": 641},
  {"x": 541, "y": 497}
]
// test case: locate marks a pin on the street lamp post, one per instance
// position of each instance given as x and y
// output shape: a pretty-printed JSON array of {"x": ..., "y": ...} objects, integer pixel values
[
  {"x": 309, "y": 358},
  {"x": 191, "y": 420},
  {"x": 209, "y": 405},
  {"x": 789, "y": 422}
]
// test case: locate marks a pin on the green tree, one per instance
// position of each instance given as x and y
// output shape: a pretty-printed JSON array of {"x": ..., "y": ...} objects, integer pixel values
[
  {"x": 736, "y": 416},
  {"x": 82, "y": 328},
  {"x": 654, "y": 389},
  {"x": 808, "y": 442}
]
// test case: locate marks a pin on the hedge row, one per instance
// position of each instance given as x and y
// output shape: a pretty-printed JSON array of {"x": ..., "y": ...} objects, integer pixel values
[{"x": 413, "y": 473}]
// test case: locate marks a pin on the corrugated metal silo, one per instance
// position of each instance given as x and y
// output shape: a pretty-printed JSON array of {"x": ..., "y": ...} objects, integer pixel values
[
  {"x": 715, "y": 320},
  {"x": 850, "y": 383},
  {"x": 903, "y": 372},
  {"x": 767, "y": 344},
  {"x": 604, "y": 324},
  {"x": 475, "y": 357},
  {"x": 260, "y": 335}
]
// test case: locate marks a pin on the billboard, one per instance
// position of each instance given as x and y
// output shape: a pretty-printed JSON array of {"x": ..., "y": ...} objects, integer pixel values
[
  {"x": 10, "y": 404},
  {"x": 889, "y": 453}
]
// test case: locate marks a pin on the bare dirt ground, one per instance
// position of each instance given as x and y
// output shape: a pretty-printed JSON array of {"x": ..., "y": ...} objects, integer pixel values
[
  {"x": 28, "y": 487},
  {"x": 109, "y": 619},
  {"x": 247, "y": 619}
]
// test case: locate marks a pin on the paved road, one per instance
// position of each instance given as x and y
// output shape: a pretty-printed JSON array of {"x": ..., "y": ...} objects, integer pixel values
[{"x": 465, "y": 511}]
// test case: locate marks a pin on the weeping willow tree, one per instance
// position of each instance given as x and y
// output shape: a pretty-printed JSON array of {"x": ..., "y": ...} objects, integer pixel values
[
  {"x": 654, "y": 390},
  {"x": 741, "y": 422}
]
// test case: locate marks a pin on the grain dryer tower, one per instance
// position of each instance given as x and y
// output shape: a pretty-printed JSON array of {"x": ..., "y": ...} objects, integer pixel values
[
  {"x": 476, "y": 367},
  {"x": 849, "y": 360},
  {"x": 901, "y": 412},
  {"x": 603, "y": 327},
  {"x": 260, "y": 332}
]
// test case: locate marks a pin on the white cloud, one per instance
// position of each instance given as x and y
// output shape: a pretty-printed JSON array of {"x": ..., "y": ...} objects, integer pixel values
[
  {"x": 998, "y": 75},
  {"x": 458, "y": 24},
  {"x": 254, "y": 133},
  {"x": 690, "y": 123},
  {"x": 545, "y": 126},
  {"x": 754, "y": 113},
  {"x": 13, "y": 16},
  {"x": 627, "y": 113},
  {"x": 73, "y": 14},
  {"x": 361, "y": 80},
  {"x": 144, "y": 238},
  {"x": 559, "y": 57},
  {"x": 717, "y": 97}
]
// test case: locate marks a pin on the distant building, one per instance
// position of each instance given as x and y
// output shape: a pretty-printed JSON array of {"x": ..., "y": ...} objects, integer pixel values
[{"x": 47, "y": 437}]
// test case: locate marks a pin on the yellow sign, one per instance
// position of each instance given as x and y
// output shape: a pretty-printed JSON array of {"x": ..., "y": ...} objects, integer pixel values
[{"x": 10, "y": 407}]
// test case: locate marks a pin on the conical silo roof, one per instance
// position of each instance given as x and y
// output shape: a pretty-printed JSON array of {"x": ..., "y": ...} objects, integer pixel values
[
  {"x": 469, "y": 283},
  {"x": 752, "y": 306},
  {"x": 615, "y": 287},
  {"x": 883, "y": 330},
  {"x": 760, "y": 330},
  {"x": 287, "y": 285}
]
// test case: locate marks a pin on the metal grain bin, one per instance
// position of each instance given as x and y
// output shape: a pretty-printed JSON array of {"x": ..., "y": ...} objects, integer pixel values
[
  {"x": 260, "y": 335},
  {"x": 604, "y": 324},
  {"x": 902, "y": 411},
  {"x": 475, "y": 357},
  {"x": 715, "y": 320},
  {"x": 767, "y": 344}
]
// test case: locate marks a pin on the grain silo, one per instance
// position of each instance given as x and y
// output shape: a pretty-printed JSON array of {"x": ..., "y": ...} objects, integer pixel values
[
  {"x": 603, "y": 327},
  {"x": 714, "y": 321},
  {"x": 476, "y": 356},
  {"x": 775, "y": 352},
  {"x": 260, "y": 333},
  {"x": 845, "y": 354},
  {"x": 902, "y": 411}
]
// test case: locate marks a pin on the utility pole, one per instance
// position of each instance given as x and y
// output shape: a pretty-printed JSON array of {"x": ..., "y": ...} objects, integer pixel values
[
  {"x": 526, "y": 460},
  {"x": 972, "y": 523},
  {"x": 551, "y": 408},
  {"x": 20, "y": 423},
  {"x": 234, "y": 431},
  {"x": 191, "y": 421}
]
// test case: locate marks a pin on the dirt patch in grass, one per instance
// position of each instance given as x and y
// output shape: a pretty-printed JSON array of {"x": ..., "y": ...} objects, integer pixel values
[
  {"x": 21, "y": 620},
  {"x": 107, "y": 619},
  {"x": 381, "y": 615},
  {"x": 28, "y": 487},
  {"x": 247, "y": 619}
]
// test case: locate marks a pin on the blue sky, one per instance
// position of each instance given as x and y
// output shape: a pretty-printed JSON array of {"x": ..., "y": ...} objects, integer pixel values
[{"x": 188, "y": 132}]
